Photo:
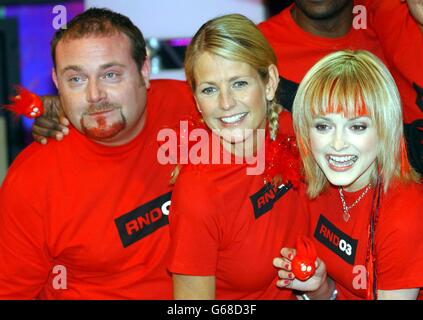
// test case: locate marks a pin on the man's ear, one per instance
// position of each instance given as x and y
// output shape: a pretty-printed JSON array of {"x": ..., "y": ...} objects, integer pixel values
[
  {"x": 272, "y": 82},
  {"x": 145, "y": 72},
  {"x": 54, "y": 78}
]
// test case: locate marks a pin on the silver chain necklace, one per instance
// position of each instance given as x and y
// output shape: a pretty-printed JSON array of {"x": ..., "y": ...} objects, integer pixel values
[{"x": 346, "y": 209}]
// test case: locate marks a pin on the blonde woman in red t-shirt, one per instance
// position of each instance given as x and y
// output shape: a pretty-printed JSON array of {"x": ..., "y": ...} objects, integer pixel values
[
  {"x": 226, "y": 225},
  {"x": 367, "y": 202}
]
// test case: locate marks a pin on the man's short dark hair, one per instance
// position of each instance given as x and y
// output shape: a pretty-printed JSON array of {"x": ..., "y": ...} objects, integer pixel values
[{"x": 103, "y": 22}]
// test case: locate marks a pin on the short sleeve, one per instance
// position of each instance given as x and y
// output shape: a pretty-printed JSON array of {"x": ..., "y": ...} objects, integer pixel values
[
  {"x": 194, "y": 226},
  {"x": 24, "y": 259},
  {"x": 399, "y": 256}
]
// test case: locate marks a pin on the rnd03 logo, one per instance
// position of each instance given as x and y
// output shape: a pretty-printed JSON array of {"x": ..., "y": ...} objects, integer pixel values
[
  {"x": 144, "y": 220},
  {"x": 343, "y": 245},
  {"x": 335, "y": 240}
]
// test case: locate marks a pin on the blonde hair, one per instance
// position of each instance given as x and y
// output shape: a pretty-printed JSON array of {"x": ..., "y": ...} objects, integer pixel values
[
  {"x": 235, "y": 37},
  {"x": 354, "y": 83}
]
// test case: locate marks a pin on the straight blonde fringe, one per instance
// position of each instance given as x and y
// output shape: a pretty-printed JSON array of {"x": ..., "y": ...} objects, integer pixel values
[{"x": 354, "y": 83}]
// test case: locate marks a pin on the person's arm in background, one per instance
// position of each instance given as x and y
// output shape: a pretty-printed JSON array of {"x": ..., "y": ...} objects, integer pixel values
[
  {"x": 53, "y": 124},
  {"x": 398, "y": 27},
  {"x": 416, "y": 10}
]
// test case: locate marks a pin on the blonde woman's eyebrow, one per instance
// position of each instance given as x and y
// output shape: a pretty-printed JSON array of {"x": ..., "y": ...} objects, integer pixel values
[
  {"x": 208, "y": 83},
  {"x": 319, "y": 118},
  {"x": 359, "y": 117},
  {"x": 213, "y": 83}
]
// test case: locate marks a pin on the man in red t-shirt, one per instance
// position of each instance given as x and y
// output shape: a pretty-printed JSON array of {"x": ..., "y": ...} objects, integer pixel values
[
  {"x": 86, "y": 218},
  {"x": 307, "y": 31}
]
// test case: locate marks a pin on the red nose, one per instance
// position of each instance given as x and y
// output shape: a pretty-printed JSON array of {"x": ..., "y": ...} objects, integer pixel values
[{"x": 303, "y": 268}]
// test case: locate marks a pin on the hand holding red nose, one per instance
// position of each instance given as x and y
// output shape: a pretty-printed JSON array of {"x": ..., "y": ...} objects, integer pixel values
[{"x": 304, "y": 262}]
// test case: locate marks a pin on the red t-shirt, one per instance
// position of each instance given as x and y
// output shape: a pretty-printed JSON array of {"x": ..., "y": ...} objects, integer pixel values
[
  {"x": 226, "y": 223},
  {"x": 402, "y": 42},
  {"x": 398, "y": 239},
  {"x": 99, "y": 212},
  {"x": 297, "y": 50}
]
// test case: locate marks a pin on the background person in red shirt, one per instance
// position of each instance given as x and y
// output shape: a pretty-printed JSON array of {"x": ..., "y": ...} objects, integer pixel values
[
  {"x": 401, "y": 39},
  {"x": 367, "y": 201},
  {"x": 305, "y": 32},
  {"x": 86, "y": 218},
  {"x": 225, "y": 224}
]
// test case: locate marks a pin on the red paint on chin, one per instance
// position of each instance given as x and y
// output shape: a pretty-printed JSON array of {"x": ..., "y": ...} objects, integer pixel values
[
  {"x": 101, "y": 122},
  {"x": 103, "y": 130}
]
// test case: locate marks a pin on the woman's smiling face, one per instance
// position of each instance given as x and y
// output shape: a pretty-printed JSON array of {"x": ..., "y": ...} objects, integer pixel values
[
  {"x": 231, "y": 96},
  {"x": 345, "y": 149}
]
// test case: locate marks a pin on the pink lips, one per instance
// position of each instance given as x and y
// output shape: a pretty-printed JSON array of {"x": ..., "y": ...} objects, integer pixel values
[{"x": 339, "y": 168}]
